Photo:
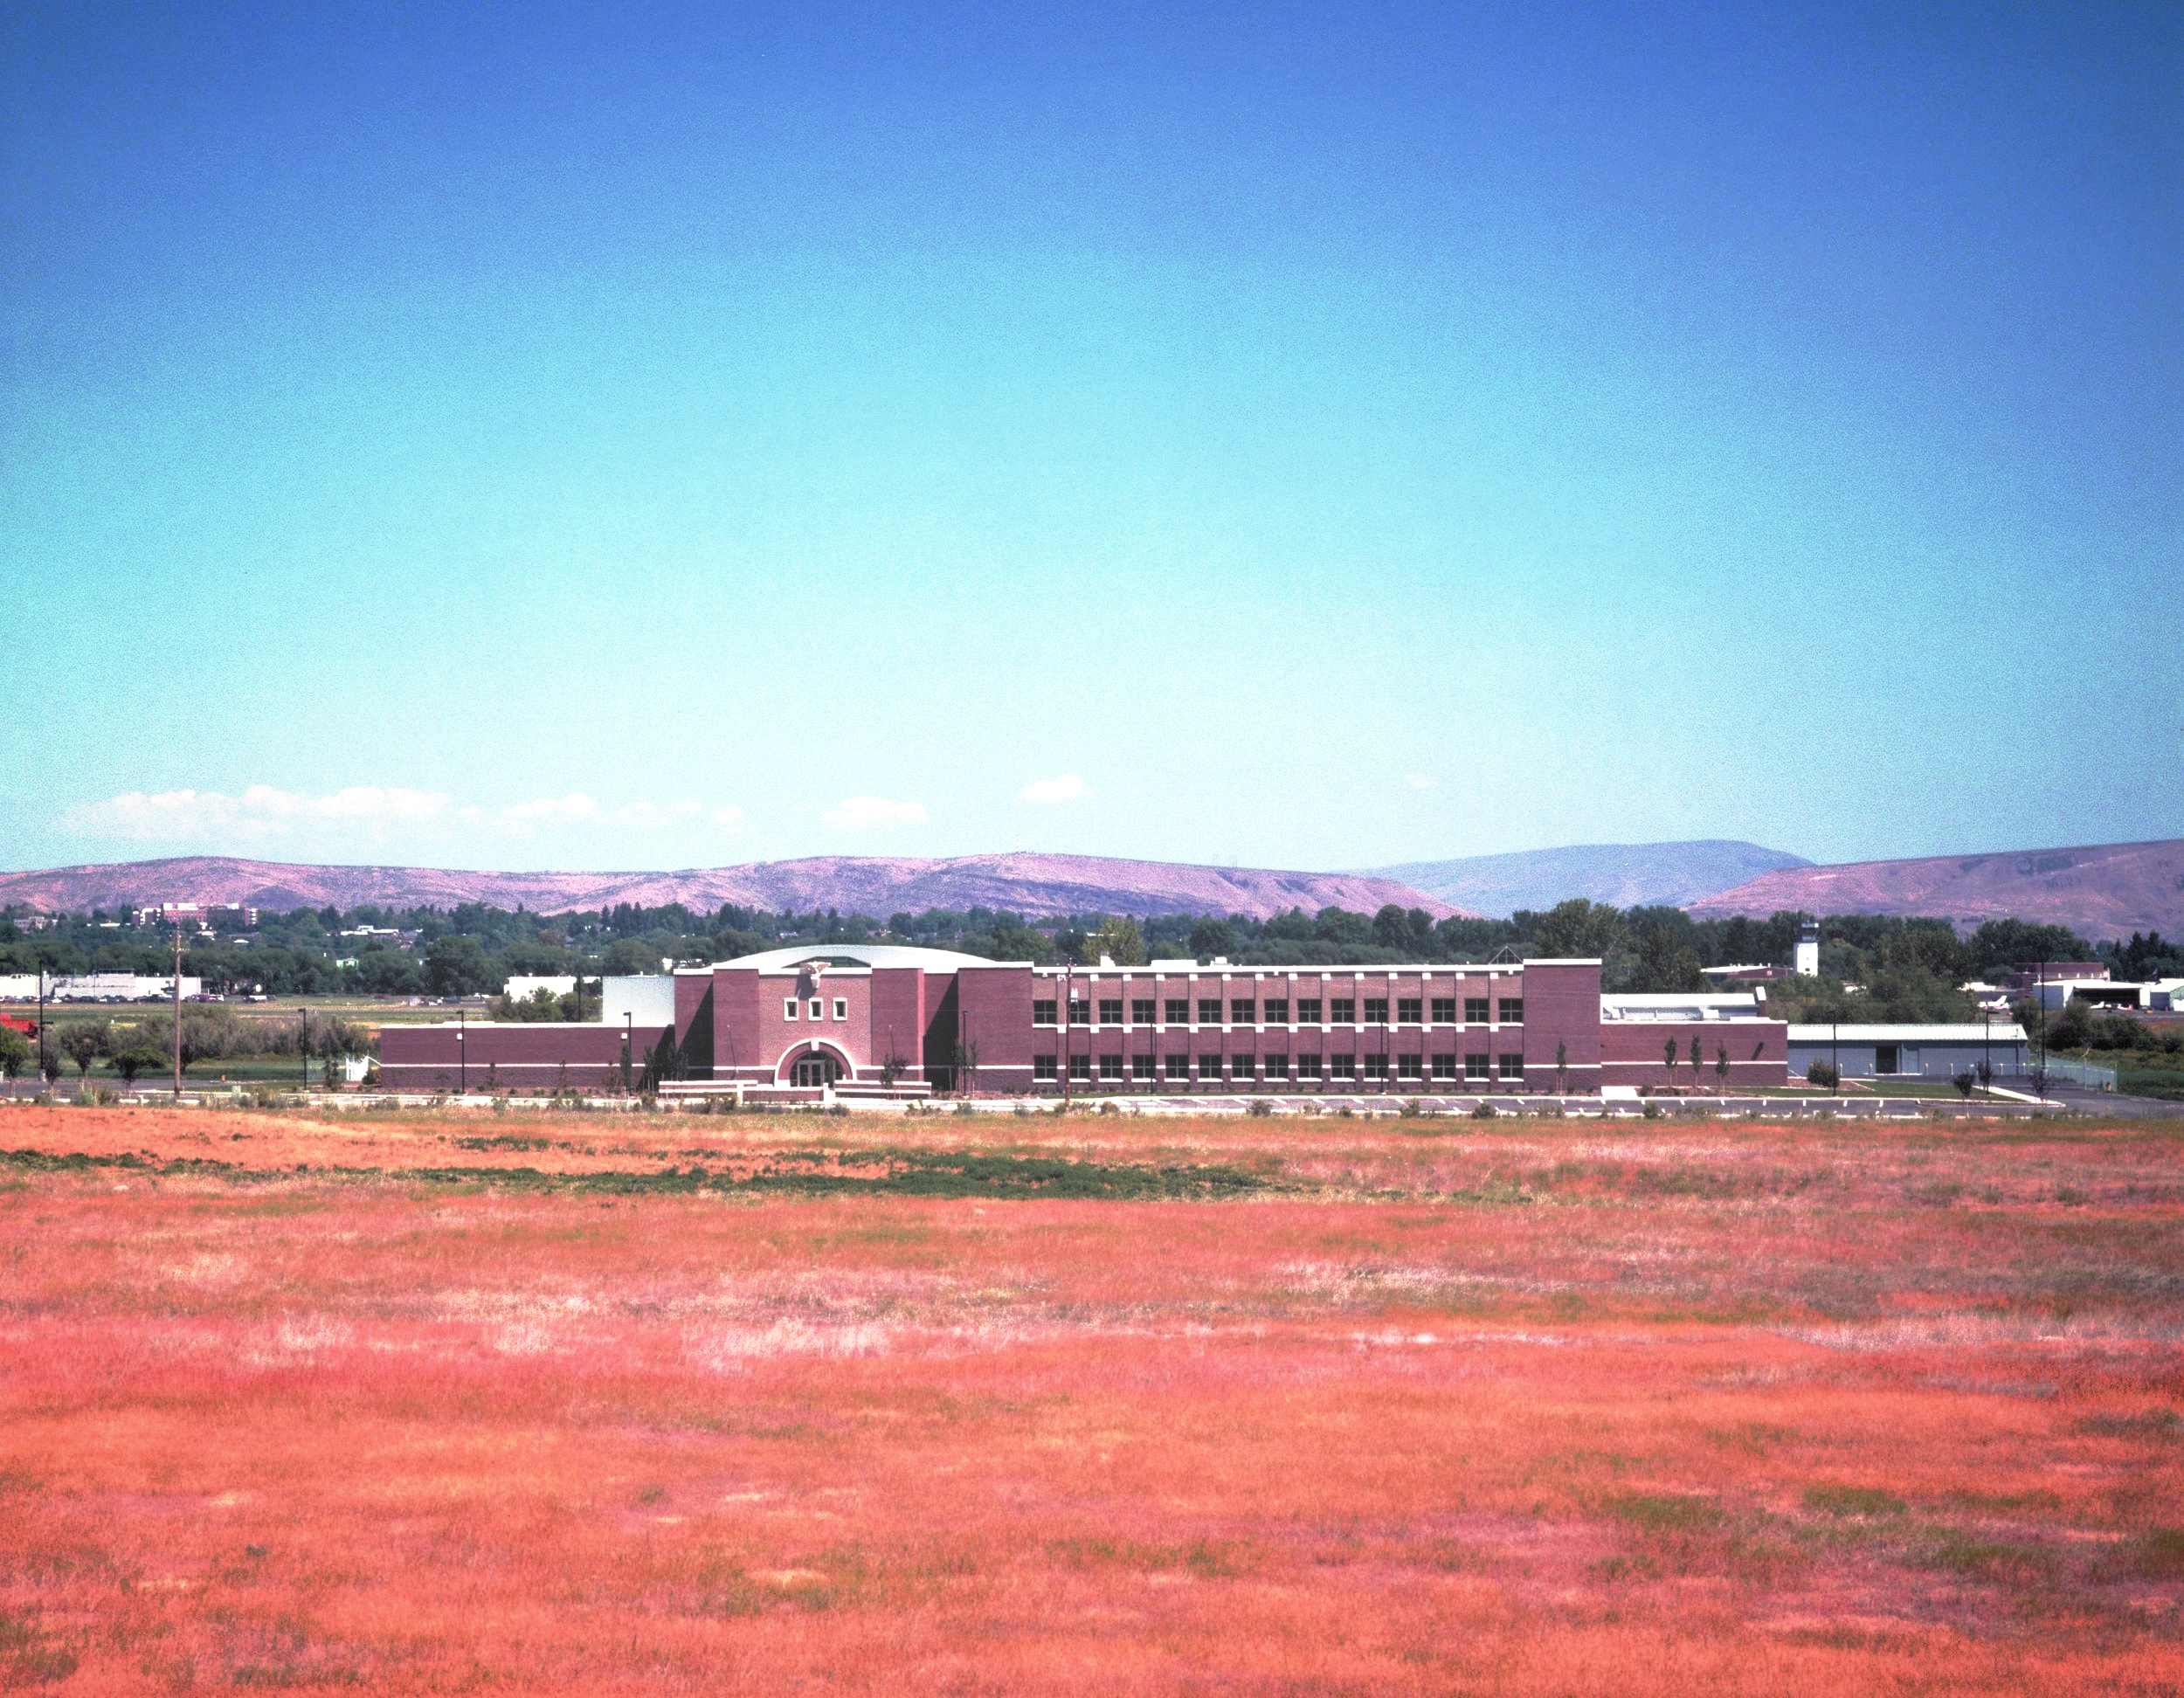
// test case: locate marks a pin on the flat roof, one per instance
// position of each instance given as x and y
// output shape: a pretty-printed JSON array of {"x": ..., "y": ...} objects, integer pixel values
[{"x": 1937, "y": 1034}]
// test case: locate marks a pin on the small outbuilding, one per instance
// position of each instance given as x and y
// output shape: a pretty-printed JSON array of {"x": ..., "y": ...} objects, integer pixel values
[{"x": 1910, "y": 1052}]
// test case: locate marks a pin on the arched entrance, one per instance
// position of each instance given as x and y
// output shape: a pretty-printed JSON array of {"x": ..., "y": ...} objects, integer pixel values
[{"x": 811, "y": 1065}]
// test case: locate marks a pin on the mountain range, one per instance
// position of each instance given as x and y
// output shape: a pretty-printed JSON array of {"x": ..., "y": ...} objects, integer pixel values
[{"x": 1626, "y": 874}]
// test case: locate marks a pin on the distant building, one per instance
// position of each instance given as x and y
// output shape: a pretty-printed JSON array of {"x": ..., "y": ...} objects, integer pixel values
[
  {"x": 98, "y": 987},
  {"x": 522, "y": 987},
  {"x": 1909, "y": 1050},
  {"x": 202, "y": 914},
  {"x": 1806, "y": 957}
]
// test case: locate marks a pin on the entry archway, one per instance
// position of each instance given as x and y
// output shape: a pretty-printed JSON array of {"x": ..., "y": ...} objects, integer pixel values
[{"x": 812, "y": 1064}]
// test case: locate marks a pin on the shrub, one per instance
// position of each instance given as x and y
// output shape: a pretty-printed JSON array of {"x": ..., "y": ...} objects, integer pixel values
[
  {"x": 1821, "y": 1074},
  {"x": 1260, "y": 1108},
  {"x": 1484, "y": 1111}
]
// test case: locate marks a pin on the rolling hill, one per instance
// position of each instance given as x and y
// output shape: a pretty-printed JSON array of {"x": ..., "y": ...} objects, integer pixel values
[
  {"x": 1626, "y": 874},
  {"x": 1030, "y": 884}
]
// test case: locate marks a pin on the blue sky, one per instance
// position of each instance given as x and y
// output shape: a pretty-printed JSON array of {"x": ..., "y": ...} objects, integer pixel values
[{"x": 590, "y": 437}]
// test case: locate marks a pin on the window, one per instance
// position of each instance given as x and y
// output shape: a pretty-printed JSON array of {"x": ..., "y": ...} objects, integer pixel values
[
  {"x": 1884, "y": 1057},
  {"x": 1042, "y": 1069},
  {"x": 1308, "y": 1066},
  {"x": 1343, "y": 1010},
  {"x": 1110, "y": 1011},
  {"x": 1210, "y": 1068},
  {"x": 1445, "y": 1066},
  {"x": 1141, "y": 1066},
  {"x": 1513, "y": 1068},
  {"x": 841, "y": 1008},
  {"x": 1209, "y": 1011},
  {"x": 1512, "y": 1011},
  {"x": 1376, "y": 1010},
  {"x": 1444, "y": 1010},
  {"x": 1080, "y": 1012},
  {"x": 1342, "y": 1067},
  {"x": 1277, "y": 1010},
  {"x": 1308, "y": 1010},
  {"x": 1277, "y": 1067},
  {"x": 1243, "y": 1011},
  {"x": 818, "y": 1008},
  {"x": 1474, "y": 1011},
  {"x": 1178, "y": 1067},
  {"x": 1243, "y": 1066},
  {"x": 788, "y": 1008},
  {"x": 1474, "y": 1068},
  {"x": 1410, "y": 1067},
  {"x": 1110, "y": 1066},
  {"x": 1376, "y": 1067},
  {"x": 1043, "y": 1011},
  {"x": 1141, "y": 1010},
  {"x": 1409, "y": 1011},
  {"x": 1080, "y": 1069},
  {"x": 1178, "y": 1010}
]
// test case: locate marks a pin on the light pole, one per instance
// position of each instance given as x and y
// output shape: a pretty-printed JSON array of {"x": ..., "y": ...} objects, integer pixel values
[
  {"x": 303, "y": 1042},
  {"x": 177, "y": 1008},
  {"x": 1065, "y": 1036},
  {"x": 462, "y": 1055},
  {"x": 41, "y": 1028}
]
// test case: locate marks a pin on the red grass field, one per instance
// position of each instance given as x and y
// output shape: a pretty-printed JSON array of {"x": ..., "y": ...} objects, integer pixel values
[{"x": 1436, "y": 1406}]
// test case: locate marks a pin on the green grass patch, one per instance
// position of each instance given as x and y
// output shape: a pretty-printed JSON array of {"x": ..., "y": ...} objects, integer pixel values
[{"x": 1852, "y": 1501}]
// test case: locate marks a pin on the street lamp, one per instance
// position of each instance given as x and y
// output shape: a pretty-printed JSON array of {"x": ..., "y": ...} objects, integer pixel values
[
  {"x": 303, "y": 1042},
  {"x": 462, "y": 1055}
]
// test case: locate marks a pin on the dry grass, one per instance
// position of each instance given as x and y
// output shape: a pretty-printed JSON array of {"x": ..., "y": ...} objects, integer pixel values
[{"x": 448, "y": 1402}]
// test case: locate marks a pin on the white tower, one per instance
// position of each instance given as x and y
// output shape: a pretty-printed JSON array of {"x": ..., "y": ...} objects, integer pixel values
[{"x": 1807, "y": 960}]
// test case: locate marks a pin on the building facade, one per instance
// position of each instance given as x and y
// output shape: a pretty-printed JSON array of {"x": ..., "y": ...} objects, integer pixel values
[
  {"x": 1910, "y": 1052},
  {"x": 890, "y": 1019}
]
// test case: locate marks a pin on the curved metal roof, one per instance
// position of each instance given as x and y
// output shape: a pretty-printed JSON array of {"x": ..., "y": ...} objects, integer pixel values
[{"x": 858, "y": 954}]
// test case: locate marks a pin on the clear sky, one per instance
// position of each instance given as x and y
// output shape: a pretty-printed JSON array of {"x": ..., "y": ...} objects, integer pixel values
[{"x": 633, "y": 436}]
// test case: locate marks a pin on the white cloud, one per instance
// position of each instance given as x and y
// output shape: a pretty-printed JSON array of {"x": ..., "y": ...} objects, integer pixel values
[
  {"x": 1418, "y": 781},
  {"x": 1068, "y": 788},
  {"x": 362, "y": 813},
  {"x": 862, "y": 812}
]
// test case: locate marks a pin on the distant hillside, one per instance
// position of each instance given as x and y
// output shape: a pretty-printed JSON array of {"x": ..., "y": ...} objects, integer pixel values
[
  {"x": 2106, "y": 890},
  {"x": 1626, "y": 874},
  {"x": 1033, "y": 885}
]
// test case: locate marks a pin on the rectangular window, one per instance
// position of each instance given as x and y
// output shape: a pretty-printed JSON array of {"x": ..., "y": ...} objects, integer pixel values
[
  {"x": 1141, "y": 1066},
  {"x": 1444, "y": 1010},
  {"x": 1080, "y": 1069},
  {"x": 841, "y": 1008},
  {"x": 1410, "y": 1067},
  {"x": 1308, "y": 1010},
  {"x": 1445, "y": 1066},
  {"x": 1277, "y": 1067},
  {"x": 1474, "y": 1011},
  {"x": 1475, "y": 1068},
  {"x": 1308, "y": 1066},
  {"x": 1080, "y": 1012},
  {"x": 1884, "y": 1057},
  {"x": 1342, "y": 1011},
  {"x": 1178, "y": 1067},
  {"x": 1178, "y": 1012},
  {"x": 1409, "y": 1011},
  {"x": 788, "y": 1008},
  {"x": 1277, "y": 1010},
  {"x": 1376, "y": 1067},
  {"x": 1243, "y": 1067},
  {"x": 1210, "y": 1068},
  {"x": 1111, "y": 1066},
  {"x": 1110, "y": 1011},
  {"x": 1042, "y": 1069},
  {"x": 1513, "y": 1069},
  {"x": 1512, "y": 1011},
  {"x": 818, "y": 1008},
  {"x": 1242, "y": 1010},
  {"x": 1141, "y": 1010},
  {"x": 1342, "y": 1067},
  {"x": 1376, "y": 1010},
  {"x": 1043, "y": 1011},
  {"x": 1209, "y": 1011}
]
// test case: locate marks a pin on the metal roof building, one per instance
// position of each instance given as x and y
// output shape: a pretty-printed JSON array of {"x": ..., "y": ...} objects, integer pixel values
[{"x": 1910, "y": 1050}]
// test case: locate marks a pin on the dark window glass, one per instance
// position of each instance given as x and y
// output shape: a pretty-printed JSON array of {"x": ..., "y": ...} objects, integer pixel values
[
  {"x": 1110, "y": 1066},
  {"x": 1376, "y": 1010},
  {"x": 1141, "y": 1066},
  {"x": 1277, "y": 1010},
  {"x": 1409, "y": 1011},
  {"x": 1080, "y": 1012},
  {"x": 1042, "y": 1066},
  {"x": 1343, "y": 1010},
  {"x": 1308, "y": 1010},
  {"x": 1409, "y": 1066},
  {"x": 1277, "y": 1067},
  {"x": 1178, "y": 1067},
  {"x": 1242, "y": 1010},
  {"x": 1110, "y": 1011},
  {"x": 1342, "y": 1067},
  {"x": 1376, "y": 1067},
  {"x": 1178, "y": 1010},
  {"x": 1444, "y": 1010},
  {"x": 1081, "y": 1066},
  {"x": 1475, "y": 1067},
  {"x": 1141, "y": 1010},
  {"x": 1042, "y": 1012},
  {"x": 1512, "y": 1011},
  {"x": 1513, "y": 1067},
  {"x": 1209, "y": 1011},
  {"x": 1308, "y": 1066},
  {"x": 1209, "y": 1067},
  {"x": 1444, "y": 1067},
  {"x": 1242, "y": 1066},
  {"x": 1474, "y": 1011}
]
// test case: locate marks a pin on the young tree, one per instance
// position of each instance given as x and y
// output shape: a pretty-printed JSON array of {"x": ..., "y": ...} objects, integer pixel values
[
  {"x": 1698, "y": 1060},
  {"x": 135, "y": 1058},
  {"x": 83, "y": 1042},
  {"x": 1121, "y": 941},
  {"x": 1667, "y": 1057},
  {"x": 15, "y": 1054},
  {"x": 1562, "y": 1069},
  {"x": 1721, "y": 1069}
]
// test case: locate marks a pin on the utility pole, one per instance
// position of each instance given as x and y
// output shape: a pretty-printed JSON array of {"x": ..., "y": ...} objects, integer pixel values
[
  {"x": 1835, "y": 1056},
  {"x": 303, "y": 1042},
  {"x": 177, "y": 1008},
  {"x": 41, "y": 1028},
  {"x": 462, "y": 1055},
  {"x": 1065, "y": 1036}
]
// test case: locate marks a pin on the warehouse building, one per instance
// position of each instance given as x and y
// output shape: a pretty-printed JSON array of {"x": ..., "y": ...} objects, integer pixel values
[{"x": 1910, "y": 1052}]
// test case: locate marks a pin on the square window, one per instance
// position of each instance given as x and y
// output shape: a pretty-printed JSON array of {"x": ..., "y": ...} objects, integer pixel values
[
  {"x": 1308, "y": 1010},
  {"x": 1376, "y": 1067},
  {"x": 1110, "y": 1066},
  {"x": 1512, "y": 1011},
  {"x": 1445, "y": 1066},
  {"x": 1178, "y": 1010},
  {"x": 1410, "y": 1067},
  {"x": 1513, "y": 1068},
  {"x": 1042, "y": 1069},
  {"x": 789, "y": 1006},
  {"x": 841, "y": 1008},
  {"x": 1243, "y": 1011},
  {"x": 1110, "y": 1011},
  {"x": 1081, "y": 1068},
  {"x": 1243, "y": 1067},
  {"x": 1342, "y": 1011},
  {"x": 1043, "y": 1010},
  {"x": 1210, "y": 1068},
  {"x": 1178, "y": 1067},
  {"x": 1277, "y": 1067},
  {"x": 1474, "y": 1068},
  {"x": 1277, "y": 1010},
  {"x": 1308, "y": 1066},
  {"x": 1444, "y": 1010},
  {"x": 1141, "y": 1010},
  {"x": 1141, "y": 1066},
  {"x": 1474, "y": 1011},
  {"x": 1342, "y": 1067},
  {"x": 818, "y": 1008},
  {"x": 1080, "y": 1012},
  {"x": 1209, "y": 1011},
  {"x": 1376, "y": 1010},
  {"x": 1409, "y": 1011}
]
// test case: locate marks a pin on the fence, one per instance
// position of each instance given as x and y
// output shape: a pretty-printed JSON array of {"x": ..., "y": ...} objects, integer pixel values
[{"x": 2081, "y": 1072}]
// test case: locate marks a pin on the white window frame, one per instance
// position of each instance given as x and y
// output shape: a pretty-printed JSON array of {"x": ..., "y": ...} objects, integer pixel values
[
  {"x": 841, "y": 1008},
  {"x": 818, "y": 1008},
  {"x": 788, "y": 1008}
]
